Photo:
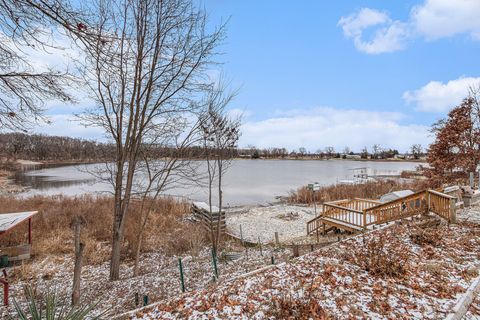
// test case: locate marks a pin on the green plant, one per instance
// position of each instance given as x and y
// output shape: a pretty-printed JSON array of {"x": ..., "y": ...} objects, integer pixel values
[{"x": 50, "y": 307}]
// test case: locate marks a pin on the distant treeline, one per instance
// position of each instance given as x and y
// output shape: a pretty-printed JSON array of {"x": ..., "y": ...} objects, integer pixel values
[
  {"x": 52, "y": 148},
  {"x": 56, "y": 148}
]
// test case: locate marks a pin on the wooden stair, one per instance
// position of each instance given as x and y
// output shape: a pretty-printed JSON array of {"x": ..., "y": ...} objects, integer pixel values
[{"x": 357, "y": 214}]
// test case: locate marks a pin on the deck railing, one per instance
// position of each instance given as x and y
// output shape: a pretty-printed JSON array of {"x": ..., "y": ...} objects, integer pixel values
[
  {"x": 442, "y": 204},
  {"x": 399, "y": 208},
  {"x": 346, "y": 210},
  {"x": 364, "y": 212}
]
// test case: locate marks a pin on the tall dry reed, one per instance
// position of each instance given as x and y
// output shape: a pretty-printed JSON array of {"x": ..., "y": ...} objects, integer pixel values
[
  {"x": 369, "y": 190},
  {"x": 52, "y": 234}
]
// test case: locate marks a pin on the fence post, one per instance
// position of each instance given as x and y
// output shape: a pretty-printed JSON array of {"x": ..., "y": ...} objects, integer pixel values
[
  {"x": 182, "y": 281},
  {"x": 260, "y": 245},
  {"x": 428, "y": 201},
  {"x": 296, "y": 252},
  {"x": 214, "y": 258},
  {"x": 273, "y": 259},
  {"x": 241, "y": 235},
  {"x": 453, "y": 211},
  {"x": 277, "y": 241}
]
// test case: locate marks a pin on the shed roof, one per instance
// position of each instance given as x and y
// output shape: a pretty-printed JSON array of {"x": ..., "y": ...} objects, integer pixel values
[
  {"x": 10, "y": 220},
  {"x": 204, "y": 206}
]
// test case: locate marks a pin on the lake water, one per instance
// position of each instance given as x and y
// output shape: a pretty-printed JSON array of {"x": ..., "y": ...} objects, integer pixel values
[{"x": 247, "y": 182}]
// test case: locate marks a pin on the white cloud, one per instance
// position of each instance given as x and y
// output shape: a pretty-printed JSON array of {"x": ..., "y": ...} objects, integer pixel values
[
  {"x": 320, "y": 127},
  {"x": 433, "y": 19},
  {"x": 444, "y": 18},
  {"x": 390, "y": 35},
  {"x": 66, "y": 125},
  {"x": 437, "y": 96}
]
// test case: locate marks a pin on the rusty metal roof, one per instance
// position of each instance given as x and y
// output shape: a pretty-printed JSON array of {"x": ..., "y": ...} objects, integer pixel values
[{"x": 10, "y": 220}]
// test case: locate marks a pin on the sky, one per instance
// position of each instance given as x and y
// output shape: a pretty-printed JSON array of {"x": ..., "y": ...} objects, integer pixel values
[{"x": 337, "y": 73}]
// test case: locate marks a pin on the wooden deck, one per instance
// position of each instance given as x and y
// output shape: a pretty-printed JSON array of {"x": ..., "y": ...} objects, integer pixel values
[{"x": 357, "y": 214}]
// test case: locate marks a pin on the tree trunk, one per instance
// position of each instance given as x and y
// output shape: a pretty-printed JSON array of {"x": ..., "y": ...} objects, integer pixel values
[
  {"x": 115, "y": 257},
  {"x": 77, "y": 271},
  {"x": 220, "y": 196},
  {"x": 137, "y": 254},
  {"x": 139, "y": 243}
]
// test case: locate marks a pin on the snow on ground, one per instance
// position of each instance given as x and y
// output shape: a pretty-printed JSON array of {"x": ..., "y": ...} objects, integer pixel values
[
  {"x": 159, "y": 277},
  {"x": 471, "y": 214},
  {"x": 289, "y": 221},
  {"x": 434, "y": 266},
  {"x": 474, "y": 310}
]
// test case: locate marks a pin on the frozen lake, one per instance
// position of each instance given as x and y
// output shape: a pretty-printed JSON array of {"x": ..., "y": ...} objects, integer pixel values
[{"x": 247, "y": 182}]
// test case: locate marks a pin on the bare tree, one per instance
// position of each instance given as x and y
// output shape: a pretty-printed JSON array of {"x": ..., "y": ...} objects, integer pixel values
[
  {"x": 302, "y": 151},
  {"x": 146, "y": 68},
  {"x": 24, "y": 86},
  {"x": 329, "y": 151},
  {"x": 416, "y": 151},
  {"x": 165, "y": 162},
  {"x": 220, "y": 135},
  {"x": 364, "y": 154},
  {"x": 376, "y": 151}
]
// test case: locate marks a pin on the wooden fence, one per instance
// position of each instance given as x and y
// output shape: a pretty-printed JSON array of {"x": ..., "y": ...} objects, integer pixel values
[{"x": 209, "y": 220}]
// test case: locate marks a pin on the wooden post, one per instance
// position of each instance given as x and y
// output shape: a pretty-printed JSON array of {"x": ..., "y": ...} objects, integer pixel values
[
  {"x": 277, "y": 241},
  {"x": 453, "y": 212},
  {"x": 296, "y": 252},
  {"x": 260, "y": 245},
  {"x": 30, "y": 231},
  {"x": 77, "y": 271},
  {"x": 364, "y": 218},
  {"x": 241, "y": 235},
  {"x": 428, "y": 201}
]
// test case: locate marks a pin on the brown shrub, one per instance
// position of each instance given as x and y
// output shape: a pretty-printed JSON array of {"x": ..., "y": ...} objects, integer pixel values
[
  {"x": 287, "y": 307},
  {"x": 51, "y": 231},
  {"x": 381, "y": 255}
]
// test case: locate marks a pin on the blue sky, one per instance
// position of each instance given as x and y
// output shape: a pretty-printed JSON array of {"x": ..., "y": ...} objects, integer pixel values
[{"x": 346, "y": 73}]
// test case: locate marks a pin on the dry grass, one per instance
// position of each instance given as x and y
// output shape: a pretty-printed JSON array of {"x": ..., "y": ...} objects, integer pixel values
[
  {"x": 284, "y": 306},
  {"x": 52, "y": 234},
  {"x": 369, "y": 190}
]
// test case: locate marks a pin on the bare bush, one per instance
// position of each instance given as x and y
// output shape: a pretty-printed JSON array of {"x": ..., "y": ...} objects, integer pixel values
[
  {"x": 287, "y": 307},
  {"x": 381, "y": 255}
]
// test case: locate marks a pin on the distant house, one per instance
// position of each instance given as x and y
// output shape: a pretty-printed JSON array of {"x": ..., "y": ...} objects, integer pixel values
[{"x": 353, "y": 156}]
